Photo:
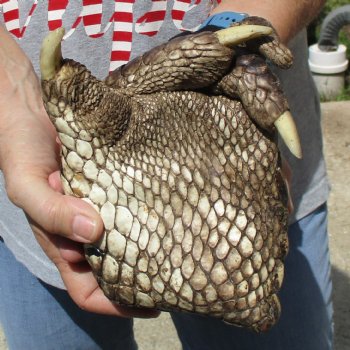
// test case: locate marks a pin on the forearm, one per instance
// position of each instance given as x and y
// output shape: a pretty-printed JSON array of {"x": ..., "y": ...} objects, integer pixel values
[
  {"x": 287, "y": 16},
  {"x": 20, "y": 96},
  {"x": 19, "y": 85}
]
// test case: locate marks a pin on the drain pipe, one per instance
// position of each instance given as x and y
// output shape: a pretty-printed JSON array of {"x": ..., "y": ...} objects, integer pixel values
[{"x": 327, "y": 59}]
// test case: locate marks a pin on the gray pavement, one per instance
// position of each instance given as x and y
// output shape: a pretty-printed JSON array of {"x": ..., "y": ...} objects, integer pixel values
[
  {"x": 159, "y": 334},
  {"x": 336, "y": 127}
]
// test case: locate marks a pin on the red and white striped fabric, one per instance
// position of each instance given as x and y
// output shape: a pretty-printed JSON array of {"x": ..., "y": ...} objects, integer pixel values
[
  {"x": 10, "y": 11},
  {"x": 179, "y": 11},
  {"x": 150, "y": 23},
  {"x": 56, "y": 10},
  {"x": 92, "y": 18},
  {"x": 122, "y": 33}
]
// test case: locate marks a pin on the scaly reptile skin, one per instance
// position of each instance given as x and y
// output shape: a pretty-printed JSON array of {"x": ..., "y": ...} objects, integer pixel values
[{"x": 187, "y": 184}]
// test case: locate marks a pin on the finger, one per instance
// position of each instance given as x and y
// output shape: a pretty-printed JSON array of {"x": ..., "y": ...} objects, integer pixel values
[
  {"x": 84, "y": 290},
  {"x": 55, "y": 181},
  {"x": 57, "y": 213},
  {"x": 80, "y": 281},
  {"x": 70, "y": 251}
]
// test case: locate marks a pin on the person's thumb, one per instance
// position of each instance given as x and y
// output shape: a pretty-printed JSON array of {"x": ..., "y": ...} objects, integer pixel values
[{"x": 57, "y": 213}]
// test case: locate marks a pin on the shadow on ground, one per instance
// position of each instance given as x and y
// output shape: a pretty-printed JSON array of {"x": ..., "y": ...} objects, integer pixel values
[{"x": 341, "y": 285}]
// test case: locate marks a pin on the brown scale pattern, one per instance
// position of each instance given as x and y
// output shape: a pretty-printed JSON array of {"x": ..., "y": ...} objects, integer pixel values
[{"x": 190, "y": 192}]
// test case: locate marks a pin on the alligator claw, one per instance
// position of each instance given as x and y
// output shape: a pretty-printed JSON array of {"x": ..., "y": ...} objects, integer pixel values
[
  {"x": 237, "y": 35},
  {"x": 287, "y": 129}
]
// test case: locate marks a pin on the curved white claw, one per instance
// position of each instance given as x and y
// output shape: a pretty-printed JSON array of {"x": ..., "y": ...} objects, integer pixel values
[
  {"x": 288, "y": 131},
  {"x": 238, "y": 34},
  {"x": 50, "y": 54}
]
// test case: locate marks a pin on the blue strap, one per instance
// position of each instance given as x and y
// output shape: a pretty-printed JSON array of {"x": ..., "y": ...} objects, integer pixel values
[{"x": 224, "y": 19}]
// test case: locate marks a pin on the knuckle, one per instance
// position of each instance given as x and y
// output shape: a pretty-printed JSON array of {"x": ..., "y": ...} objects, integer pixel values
[
  {"x": 13, "y": 192},
  {"x": 54, "y": 215},
  {"x": 82, "y": 303}
]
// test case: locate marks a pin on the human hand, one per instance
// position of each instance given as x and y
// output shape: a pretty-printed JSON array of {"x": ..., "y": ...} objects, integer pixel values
[
  {"x": 29, "y": 157},
  {"x": 60, "y": 223}
]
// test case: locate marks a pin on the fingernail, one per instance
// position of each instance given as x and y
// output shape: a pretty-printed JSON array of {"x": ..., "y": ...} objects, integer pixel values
[{"x": 84, "y": 229}]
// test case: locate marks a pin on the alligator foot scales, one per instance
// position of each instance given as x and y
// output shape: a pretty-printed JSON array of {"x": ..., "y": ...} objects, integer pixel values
[{"x": 176, "y": 150}]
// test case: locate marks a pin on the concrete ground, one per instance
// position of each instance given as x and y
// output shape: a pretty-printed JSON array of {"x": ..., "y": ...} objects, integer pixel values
[
  {"x": 336, "y": 126},
  {"x": 159, "y": 334}
]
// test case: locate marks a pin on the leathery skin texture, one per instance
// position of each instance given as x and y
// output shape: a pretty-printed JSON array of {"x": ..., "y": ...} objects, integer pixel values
[{"x": 188, "y": 185}]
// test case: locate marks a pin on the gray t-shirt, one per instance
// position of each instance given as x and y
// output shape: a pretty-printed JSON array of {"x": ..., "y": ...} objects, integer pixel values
[{"x": 109, "y": 33}]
